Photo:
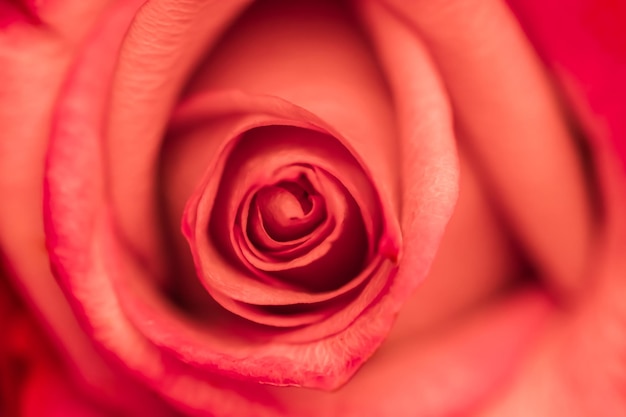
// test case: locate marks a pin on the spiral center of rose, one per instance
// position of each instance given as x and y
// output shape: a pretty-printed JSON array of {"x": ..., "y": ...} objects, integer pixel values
[{"x": 289, "y": 210}]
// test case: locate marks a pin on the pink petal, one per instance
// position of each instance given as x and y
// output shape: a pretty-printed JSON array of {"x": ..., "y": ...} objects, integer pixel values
[
  {"x": 162, "y": 48},
  {"x": 579, "y": 366},
  {"x": 33, "y": 65},
  {"x": 509, "y": 119},
  {"x": 585, "y": 45}
]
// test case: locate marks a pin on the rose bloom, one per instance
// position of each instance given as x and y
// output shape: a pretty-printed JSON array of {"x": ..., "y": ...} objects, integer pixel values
[{"x": 312, "y": 208}]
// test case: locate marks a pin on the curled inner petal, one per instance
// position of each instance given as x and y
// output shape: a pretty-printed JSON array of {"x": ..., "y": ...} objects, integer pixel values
[
  {"x": 290, "y": 238},
  {"x": 285, "y": 212}
]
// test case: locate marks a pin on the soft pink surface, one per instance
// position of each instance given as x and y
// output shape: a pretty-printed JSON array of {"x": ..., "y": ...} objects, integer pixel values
[
  {"x": 13, "y": 12},
  {"x": 579, "y": 367},
  {"x": 585, "y": 45},
  {"x": 33, "y": 88},
  {"x": 136, "y": 330}
]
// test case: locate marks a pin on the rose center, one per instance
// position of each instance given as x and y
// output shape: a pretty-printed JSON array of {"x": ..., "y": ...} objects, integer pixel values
[{"x": 289, "y": 210}]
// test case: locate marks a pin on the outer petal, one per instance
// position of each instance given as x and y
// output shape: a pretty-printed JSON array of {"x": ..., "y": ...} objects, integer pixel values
[
  {"x": 159, "y": 54},
  {"x": 33, "y": 382},
  {"x": 510, "y": 121},
  {"x": 579, "y": 369},
  {"x": 585, "y": 44},
  {"x": 34, "y": 60}
]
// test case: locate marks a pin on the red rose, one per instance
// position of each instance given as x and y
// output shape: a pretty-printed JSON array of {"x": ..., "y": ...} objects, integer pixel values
[{"x": 220, "y": 208}]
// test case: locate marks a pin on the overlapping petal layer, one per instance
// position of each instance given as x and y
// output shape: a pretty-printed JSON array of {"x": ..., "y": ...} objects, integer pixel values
[
  {"x": 348, "y": 160},
  {"x": 344, "y": 270}
]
